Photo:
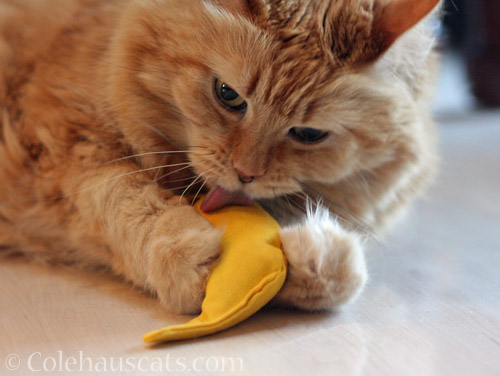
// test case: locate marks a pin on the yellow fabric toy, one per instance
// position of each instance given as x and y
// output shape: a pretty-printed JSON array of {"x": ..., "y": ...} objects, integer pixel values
[{"x": 251, "y": 271}]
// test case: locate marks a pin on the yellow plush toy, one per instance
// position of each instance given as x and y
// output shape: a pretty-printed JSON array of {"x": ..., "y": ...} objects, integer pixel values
[{"x": 251, "y": 271}]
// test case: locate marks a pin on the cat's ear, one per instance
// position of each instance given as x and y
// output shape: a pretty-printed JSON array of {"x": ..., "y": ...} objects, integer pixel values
[
  {"x": 392, "y": 18},
  {"x": 239, "y": 7},
  {"x": 377, "y": 25}
]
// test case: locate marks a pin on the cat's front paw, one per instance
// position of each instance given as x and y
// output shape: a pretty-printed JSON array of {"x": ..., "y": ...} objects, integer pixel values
[
  {"x": 326, "y": 264},
  {"x": 183, "y": 252}
]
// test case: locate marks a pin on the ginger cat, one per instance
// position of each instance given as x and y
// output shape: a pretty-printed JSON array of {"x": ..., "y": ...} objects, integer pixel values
[{"x": 115, "y": 114}]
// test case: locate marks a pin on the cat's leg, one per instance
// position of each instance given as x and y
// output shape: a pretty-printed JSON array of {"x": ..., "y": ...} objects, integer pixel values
[
  {"x": 326, "y": 264},
  {"x": 153, "y": 238}
]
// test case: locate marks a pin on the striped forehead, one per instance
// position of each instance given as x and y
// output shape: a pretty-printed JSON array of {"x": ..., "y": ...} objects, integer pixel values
[
  {"x": 293, "y": 14},
  {"x": 299, "y": 64},
  {"x": 290, "y": 81}
]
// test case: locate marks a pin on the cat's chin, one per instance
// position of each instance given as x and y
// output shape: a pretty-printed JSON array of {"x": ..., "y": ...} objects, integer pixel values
[{"x": 219, "y": 198}]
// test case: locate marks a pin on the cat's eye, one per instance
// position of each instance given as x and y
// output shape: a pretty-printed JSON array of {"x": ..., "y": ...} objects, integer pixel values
[
  {"x": 229, "y": 97},
  {"x": 307, "y": 135}
]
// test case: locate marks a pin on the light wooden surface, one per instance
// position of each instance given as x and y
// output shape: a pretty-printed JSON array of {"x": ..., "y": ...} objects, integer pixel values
[{"x": 432, "y": 306}]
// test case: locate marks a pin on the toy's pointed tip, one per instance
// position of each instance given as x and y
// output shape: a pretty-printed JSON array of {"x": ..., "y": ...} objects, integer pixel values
[
  {"x": 156, "y": 336},
  {"x": 148, "y": 338}
]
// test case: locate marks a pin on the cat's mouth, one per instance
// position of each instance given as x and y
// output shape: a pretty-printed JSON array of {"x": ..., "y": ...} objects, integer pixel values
[{"x": 218, "y": 198}]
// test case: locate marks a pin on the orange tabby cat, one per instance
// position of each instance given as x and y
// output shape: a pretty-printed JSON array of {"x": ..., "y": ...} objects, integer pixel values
[{"x": 113, "y": 114}]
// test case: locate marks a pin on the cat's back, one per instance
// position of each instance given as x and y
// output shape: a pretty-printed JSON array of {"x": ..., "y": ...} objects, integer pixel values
[
  {"x": 27, "y": 26},
  {"x": 49, "y": 54},
  {"x": 37, "y": 32}
]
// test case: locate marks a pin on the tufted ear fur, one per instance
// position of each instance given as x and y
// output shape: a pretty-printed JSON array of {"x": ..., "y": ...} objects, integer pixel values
[
  {"x": 360, "y": 31},
  {"x": 395, "y": 17}
]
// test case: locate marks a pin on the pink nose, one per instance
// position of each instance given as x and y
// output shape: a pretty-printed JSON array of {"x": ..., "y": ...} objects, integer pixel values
[
  {"x": 247, "y": 172},
  {"x": 244, "y": 177}
]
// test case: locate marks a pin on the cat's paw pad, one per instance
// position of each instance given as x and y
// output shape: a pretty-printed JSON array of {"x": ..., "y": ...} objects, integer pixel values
[
  {"x": 181, "y": 263},
  {"x": 326, "y": 264}
]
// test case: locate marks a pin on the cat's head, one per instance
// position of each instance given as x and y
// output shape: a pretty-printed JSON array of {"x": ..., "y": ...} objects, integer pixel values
[{"x": 274, "y": 93}]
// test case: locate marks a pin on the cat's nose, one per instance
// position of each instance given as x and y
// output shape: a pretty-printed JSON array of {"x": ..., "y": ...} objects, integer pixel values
[
  {"x": 247, "y": 172},
  {"x": 244, "y": 177}
]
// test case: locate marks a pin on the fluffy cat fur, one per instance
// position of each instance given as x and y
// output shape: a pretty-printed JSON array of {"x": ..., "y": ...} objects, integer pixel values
[{"x": 95, "y": 95}]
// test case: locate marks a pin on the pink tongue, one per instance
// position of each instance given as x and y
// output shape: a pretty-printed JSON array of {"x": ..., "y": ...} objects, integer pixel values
[{"x": 218, "y": 198}]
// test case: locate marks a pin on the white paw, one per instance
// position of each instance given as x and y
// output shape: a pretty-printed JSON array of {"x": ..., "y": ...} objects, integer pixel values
[{"x": 326, "y": 263}]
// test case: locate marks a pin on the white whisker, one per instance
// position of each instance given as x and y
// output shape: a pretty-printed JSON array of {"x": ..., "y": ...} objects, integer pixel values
[
  {"x": 194, "y": 182},
  {"x": 121, "y": 176},
  {"x": 178, "y": 180},
  {"x": 199, "y": 190},
  {"x": 153, "y": 153},
  {"x": 173, "y": 172},
  {"x": 189, "y": 186},
  {"x": 197, "y": 193}
]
